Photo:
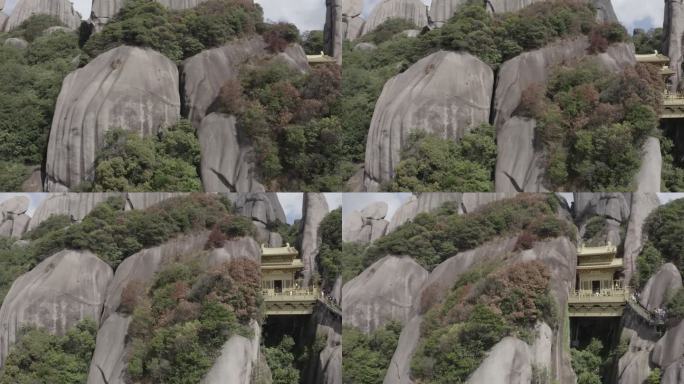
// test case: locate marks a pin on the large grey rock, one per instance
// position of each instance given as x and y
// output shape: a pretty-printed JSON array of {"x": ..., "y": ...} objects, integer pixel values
[
  {"x": 14, "y": 206},
  {"x": 427, "y": 97},
  {"x": 239, "y": 248},
  {"x": 534, "y": 67},
  {"x": 615, "y": 206},
  {"x": 58, "y": 293},
  {"x": 519, "y": 167},
  {"x": 110, "y": 356},
  {"x": 205, "y": 73},
  {"x": 508, "y": 362},
  {"x": 605, "y": 11},
  {"x": 314, "y": 210},
  {"x": 673, "y": 30},
  {"x": 335, "y": 28},
  {"x": 127, "y": 87},
  {"x": 669, "y": 350},
  {"x": 411, "y": 10},
  {"x": 144, "y": 200},
  {"x": 75, "y": 205},
  {"x": 442, "y": 10},
  {"x": 674, "y": 374},
  {"x": 365, "y": 226},
  {"x": 61, "y": 9},
  {"x": 375, "y": 211},
  {"x": 3, "y": 20},
  {"x": 634, "y": 367},
  {"x": 648, "y": 179},
  {"x": 262, "y": 207},
  {"x": 383, "y": 292},
  {"x": 399, "y": 370},
  {"x": 473, "y": 201},
  {"x": 234, "y": 365},
  {"x": 642, "y": 206},
  {"x": 660, "y": 286},
  {"x": 104, "y": 10},
  {"x": 14, "y": 226},
  {"x": 16, "y": 42},
  {"x": 227, "y": 160}
]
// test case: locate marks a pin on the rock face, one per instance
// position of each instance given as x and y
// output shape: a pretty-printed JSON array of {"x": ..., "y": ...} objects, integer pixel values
[
  {"x": 75, "y": 205},
  {"x": 648, "y": 179},
  {"x": 110, "y": 356},
  {"x": 13, "y": 219},
  {"x": 519, "y": 168},
  {"x": 613, "y": 207},
  {"x": 508, "y": 362},
  {"x": 334, "y": 30},
  {"x": 62, "y": 9},
  {"x": 411, "y": 10},
  {"x": 658, "y": 288},
  {"x": 326, "y": 366},
  {"x": 58, "y": 293},
  {"x": 383, "y": 292},
  {"x": 314, "y": 210},
  {"x": 442, "y": 10},
  {"x": 131, "y": 88},
  {"x": 144, "y": 200},
  {"x": 238, "y": 355},
  {"x": 673, "y": 30},
  {"x": 366, "y": 226},
  {"x": 104, "y": 10},
  {"x": 501, "y": 6},
  {"x": 263, "y": 209},
  {"x": 227, "y": 159},
  {"x": 16, "y": 42},
  {"x": 642, "y": 206},
  {"x": 205, "y": 73},
  {"x": 604, "y": 10},
  {"x": 669, "y": 352},
  {"x": 633, "y": 366},
  {"x": 426, "y": 97}
]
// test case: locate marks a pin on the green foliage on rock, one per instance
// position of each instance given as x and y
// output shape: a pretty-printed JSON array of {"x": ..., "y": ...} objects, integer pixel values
[
  {"x": 366, "y": 357},
  {"x": 484, "y": 306},
  {"x": 388, "y": 30},
  {"x": 51, "y": 224},
  {"x": 183, "y": 319},
  {"x": 654, "y": 376},
  {"x": 675, "y": 305},
  {"x": 281, "y": 360},
  {"x": 35, "y": 27},
  {"x": 648, "y": 263},
  {"x": 40, "y": 357},
  {"x": 592, "y": 124},
  {"x": 313, "y": 42},
  {"x": 330, "y": 251},
  {"x": 167, "y": 162},
  {"x": 15, "y": 260},
  {"x": 647, "y": 42},
  {"x": 177, "y": 34},
  {"x": 430, "y": 163},
  {"x": 30, "y": 80},
  {"x": 587, "y": 363},
  {"x": 664, "y": 229},
  {"x": 433, "y": 237}
]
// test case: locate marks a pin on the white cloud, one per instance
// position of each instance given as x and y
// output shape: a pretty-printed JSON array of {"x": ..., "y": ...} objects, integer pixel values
[
  {"x": 357, "y": 201},
  {"x": 639, "y": 13},
  {"x": 667, "y": 197}
]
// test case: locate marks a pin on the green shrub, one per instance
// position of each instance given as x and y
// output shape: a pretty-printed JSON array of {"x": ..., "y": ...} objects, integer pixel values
[
  {"x": 430, "y": 163},
  {"x": 388, "y": 30},
  {"x": 664, "y": 229},
  {"x": 281, "y": 361},
  {"x": 180, "y": 325},
  {"x": 366, "y": 357},
  {"x": 675, "y": 305},
  {"x": 313, "y": 42},
  {"x": 330, "y": 251},
  {"x": 654, "y": 376},
  {"x": 648, "y": 263},
  {"x": 647, "y": 42},
  {"x": 35, "y": 26},
  {"x": 40, "y": 357},
  {"x": 587, "y": 363},
  {"x": 168, "y": 162},
  {"x": 51, "y": 224},
  {"x": 13, "y": 175}
]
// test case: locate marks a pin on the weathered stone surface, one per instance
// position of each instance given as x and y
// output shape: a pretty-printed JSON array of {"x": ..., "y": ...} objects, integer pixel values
[
  {"x": 57, "y": 29},
  {"x": 227, "y": 160},
  {"x": 75, "y": 205},
  {"x": 104, "y": 10},
  {"x": 425, "y": 202},
  {"x": 238, "y": 355},
  {"x": 109, "y": 359},
  {"x": 335, "y": 29},
  {"x": 642, "y": 206},
  {"x": 3, "y": 20},
  {"x": 605, "y": 11},
  {"x": 442, "y": 10},
  {"x": 519, "y": 168},
  {"x": 534, "y": 67},
  {"x": 669, "y": 350},
  {"x": 127, "y": 87},
  {"x": 62, "y": 9},
  {"x": 658, "y": 288},
  {"x": 144, "y": 200},
  {"x": 14, "y": 206},
  {"x": 501, "y": 6},
  {"x": 411, "y": 10},
  {"x": 674, "y": 374},
  {"x": 58, "y": 293},
  {"x": 314, "y": 210},
  {"x": 399, "y": 370},
  {"x": 633, "y": 366},
  {"x": 14, "y": 226},
  {"x": 365, "y": 226},
  {"x": 648, "y": 178},
  {"x": 673, "y": 30},
  {"x": 205, "y": 73},
  {"x": 243, "y": 247},
  {"x": 384, "y": 291},
  {"x": 426, "y": 97},
  {"x": 365, "y": 47},
  {"x": 262, "y": 207},
  {"x": 473, "y": 201},
  {"x": 507, "y": 363},
  {"x": 16, "y": 42},
  {"x": 611, "y": 205}
]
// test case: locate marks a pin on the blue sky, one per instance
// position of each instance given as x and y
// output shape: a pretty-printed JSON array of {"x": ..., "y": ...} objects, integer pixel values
[{"x": 310, "y": 14}]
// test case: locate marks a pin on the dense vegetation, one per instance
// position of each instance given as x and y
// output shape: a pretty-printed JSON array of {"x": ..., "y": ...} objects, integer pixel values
[
  {"x": 40, "y": 357},
  {"x": 30, "y": 80},
  {"x": 281, "y": 361},
  {"x": 664, "y": 229},
  {"x": 330, "y": 251},
  {"x": 430, "y": 163},
  {"x": 492, "y": 38},
  {"x": 647, "y": 42},
  {"x": 299, "y": 144},
  {"x": 114, "y": 234},
  {"x": 366, "y": 357},
  {"x": 433, "y": 237},
  {"x": 167, "y": 162},
  {"x": 592, "y": 124},
  {"x": 587, "y": 363},
  {"x": 484, "y": 306},
  {"x": 178, "y": 34},
  {"x": 181, "y": 322}
]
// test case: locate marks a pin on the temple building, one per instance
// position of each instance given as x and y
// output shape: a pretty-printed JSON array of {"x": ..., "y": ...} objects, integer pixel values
[{"x": 281, "y": 282}]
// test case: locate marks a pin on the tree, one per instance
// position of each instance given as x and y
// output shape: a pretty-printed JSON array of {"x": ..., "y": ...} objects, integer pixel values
[{"x": 281, "y": 362}]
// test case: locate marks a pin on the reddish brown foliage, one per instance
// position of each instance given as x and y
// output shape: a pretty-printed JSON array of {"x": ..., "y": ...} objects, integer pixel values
[
  {"x": 230, "y": 97},
  {"x": 216, "y": 238},
  {"x": 526, "y": 240},
  {"x": 279, "y": 36},
  {"x": 131, "y": 296},
  {"x": 532, "y": 101}
]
